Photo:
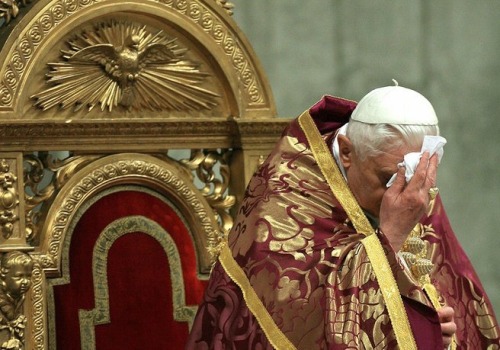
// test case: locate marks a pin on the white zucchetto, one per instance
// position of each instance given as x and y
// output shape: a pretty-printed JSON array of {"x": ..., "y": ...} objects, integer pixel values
[{"x": 395, "y": 105}]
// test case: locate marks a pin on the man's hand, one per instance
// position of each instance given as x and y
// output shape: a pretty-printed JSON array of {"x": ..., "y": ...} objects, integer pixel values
[
  {"x": 403, "y": 205},
  {"x": 448, "y": 325}
]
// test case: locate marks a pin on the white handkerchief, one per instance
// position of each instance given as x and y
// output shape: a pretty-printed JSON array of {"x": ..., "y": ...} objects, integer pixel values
[{"x": 432, "y": 144}]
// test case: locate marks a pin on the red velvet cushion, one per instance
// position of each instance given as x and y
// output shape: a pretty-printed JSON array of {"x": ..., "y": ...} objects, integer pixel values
[{"x": 138, "y": 274}]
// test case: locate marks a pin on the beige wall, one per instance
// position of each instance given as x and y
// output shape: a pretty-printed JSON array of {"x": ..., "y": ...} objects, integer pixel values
[{"x": 448, "y": 49}]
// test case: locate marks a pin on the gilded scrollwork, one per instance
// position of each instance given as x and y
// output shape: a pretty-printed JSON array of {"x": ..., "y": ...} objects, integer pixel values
[
  {"x": 44, "y": 174},
  {"x": 9, "y": 9},
  {"x": 37, "y": 337},
  {"x": 8, "y": 199},
  {"x": 125, "y": 64},
  {"x": 207, "y": 167},
  {"x": 212, "y": 170},
  {"x": 34, "y": 194},
  {"x": 113, "y": 171}
]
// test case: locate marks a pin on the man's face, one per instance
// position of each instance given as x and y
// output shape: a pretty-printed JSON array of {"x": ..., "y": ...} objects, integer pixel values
[{"x": 368, "y": 178}]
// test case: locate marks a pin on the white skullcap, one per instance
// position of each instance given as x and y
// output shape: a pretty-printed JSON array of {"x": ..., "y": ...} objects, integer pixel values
[{"x": 395, "y": 105}]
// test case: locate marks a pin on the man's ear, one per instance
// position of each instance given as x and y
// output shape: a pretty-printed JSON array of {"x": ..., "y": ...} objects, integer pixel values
[{"x": 345, "y": 151}]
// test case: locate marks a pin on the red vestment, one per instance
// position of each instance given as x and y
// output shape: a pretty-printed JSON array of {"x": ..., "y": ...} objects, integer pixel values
[{"x": 307, "y": 280}]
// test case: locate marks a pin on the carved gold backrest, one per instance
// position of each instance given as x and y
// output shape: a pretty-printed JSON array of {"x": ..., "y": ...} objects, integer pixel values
[{"x": 166, "y": 95}]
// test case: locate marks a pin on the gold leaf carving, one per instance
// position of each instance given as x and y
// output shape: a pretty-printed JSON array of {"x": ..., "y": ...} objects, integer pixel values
[
  {"x": 61, "y": 10},
  {"x": 206, "y": 164},
  {"x": 37, "y": 309},
  {"x": 125, "y": 64},
  {"x": 9, "y": 9},
  {"x": 111, "y": 172},
  {"x": 40, "y": 190},
  {"x": 15, "y": 277},
  {"x": 226, "y": 5},
  {"x": 8, "y": 199}
]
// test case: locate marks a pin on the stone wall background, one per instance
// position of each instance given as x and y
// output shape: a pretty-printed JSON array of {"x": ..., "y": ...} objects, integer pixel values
[{"x": 449, "y": 50}]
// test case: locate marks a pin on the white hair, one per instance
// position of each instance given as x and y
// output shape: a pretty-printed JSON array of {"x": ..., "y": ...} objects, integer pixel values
[{"x": 370, "y": 140}]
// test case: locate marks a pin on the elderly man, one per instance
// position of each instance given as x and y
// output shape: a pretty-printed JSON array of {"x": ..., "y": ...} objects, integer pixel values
[{"x": 342, "y": 242}]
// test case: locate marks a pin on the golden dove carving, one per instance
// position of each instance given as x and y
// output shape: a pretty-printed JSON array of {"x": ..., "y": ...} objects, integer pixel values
[{"x": 123, "y": 64}]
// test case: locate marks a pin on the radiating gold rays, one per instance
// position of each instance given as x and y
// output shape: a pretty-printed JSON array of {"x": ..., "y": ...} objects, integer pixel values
[{"x": 124, "y": 64}]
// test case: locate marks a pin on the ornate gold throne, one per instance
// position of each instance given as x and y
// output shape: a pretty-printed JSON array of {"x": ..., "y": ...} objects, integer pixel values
[{"x": 128, "y": 132}]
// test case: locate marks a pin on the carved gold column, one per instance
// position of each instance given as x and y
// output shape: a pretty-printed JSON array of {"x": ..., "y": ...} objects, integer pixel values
[{"x": 12, "y": 218}]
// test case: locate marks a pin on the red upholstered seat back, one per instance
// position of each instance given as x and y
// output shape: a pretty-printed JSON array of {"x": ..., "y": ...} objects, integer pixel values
[{"x": 138, "y": 274}]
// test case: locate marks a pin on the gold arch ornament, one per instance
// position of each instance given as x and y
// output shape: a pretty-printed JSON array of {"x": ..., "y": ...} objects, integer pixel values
[
  {"x": 125, "y": 64},
  {"x": 159, "y": 175}
]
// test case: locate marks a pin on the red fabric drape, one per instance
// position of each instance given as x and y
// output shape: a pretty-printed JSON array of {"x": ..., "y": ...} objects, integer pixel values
[{"x": 139, "y": 283}]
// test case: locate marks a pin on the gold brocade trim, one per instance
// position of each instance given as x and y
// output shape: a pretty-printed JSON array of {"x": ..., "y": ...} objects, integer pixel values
[
  {"x": 374, "y": 249},
  {"x": 433, "y": 295},
  {"x": 415, "y": 247},
  {"x": 333, "y": 176},
  {"x": 390, "y": 292},
  {"x": 275, "y": 336}
]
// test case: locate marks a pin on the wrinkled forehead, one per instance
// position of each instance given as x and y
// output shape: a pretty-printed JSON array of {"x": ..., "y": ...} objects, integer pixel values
[{"x": 383, "y": 159}]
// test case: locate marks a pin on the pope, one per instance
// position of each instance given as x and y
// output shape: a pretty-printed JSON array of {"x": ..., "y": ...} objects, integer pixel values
[{"x": 342, "y": 241}]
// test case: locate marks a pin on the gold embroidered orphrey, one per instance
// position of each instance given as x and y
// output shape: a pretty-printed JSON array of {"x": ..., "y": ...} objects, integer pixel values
[
  {"x": 374, "y": 249},
  {"x": 414, "y": 252},
  {"x": 125, "y": 64}
]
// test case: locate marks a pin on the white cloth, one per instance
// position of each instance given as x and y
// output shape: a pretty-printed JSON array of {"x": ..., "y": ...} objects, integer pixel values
[{"x": 432, "y": 144}]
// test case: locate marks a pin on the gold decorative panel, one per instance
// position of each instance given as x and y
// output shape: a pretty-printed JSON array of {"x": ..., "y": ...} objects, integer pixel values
[
  {"x": 125, "y": 64},
  {"x": 12, "y": 220},
  {"x": 117, "y": 87},
  {"x": 142, "y": 170},
  {"x": 9, "y": 201},
  {"x": 126, "y": 168},
  {"x": 34, "y": 47}
]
